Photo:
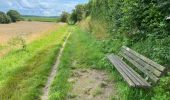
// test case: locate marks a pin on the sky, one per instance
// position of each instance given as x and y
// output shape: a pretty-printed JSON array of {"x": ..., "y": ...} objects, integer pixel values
[{"x": 40, "y": 7}]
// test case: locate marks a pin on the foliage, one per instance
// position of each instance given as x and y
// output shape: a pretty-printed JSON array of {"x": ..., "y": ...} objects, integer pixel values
[
  {"x": 73, "y": 17},
  {"x": 80, "y": 9},
  {"x": 138, "y": 23},
  {"x": 4, "y": 18},
  {"x": 135, "y": 18},
  {"x": 18, "y": 41},
  {"x": 14, "y": 15},
  {"x": 80, "y": 12},
  {"x": 64, "y": 17}
]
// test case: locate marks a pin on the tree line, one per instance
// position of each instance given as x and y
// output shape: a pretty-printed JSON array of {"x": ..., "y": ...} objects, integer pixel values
[
  {"x": 81, "y": 11},
  {"x": 10, "y": 16}
]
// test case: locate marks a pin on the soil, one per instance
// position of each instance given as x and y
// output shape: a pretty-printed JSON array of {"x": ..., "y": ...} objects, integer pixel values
[{"x": 90, "y": 84}]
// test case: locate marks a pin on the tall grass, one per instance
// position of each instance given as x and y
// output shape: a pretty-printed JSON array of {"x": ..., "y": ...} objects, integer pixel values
[
  {"x": 24, "y": 73},
  {"x": 98, "y": 29}
]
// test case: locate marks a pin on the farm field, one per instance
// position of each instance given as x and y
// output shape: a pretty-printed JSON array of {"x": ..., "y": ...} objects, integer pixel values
[
  {"x": 41, "y": 18},
  {"x": 29, "y": 31},
  {"x": 8, "y": 31}
]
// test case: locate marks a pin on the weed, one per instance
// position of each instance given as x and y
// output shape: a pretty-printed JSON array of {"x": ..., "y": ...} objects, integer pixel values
[{"x": 18, "y": 41}]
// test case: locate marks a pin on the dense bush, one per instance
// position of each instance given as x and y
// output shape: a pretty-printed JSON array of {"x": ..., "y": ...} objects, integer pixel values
[
  {"x": 4, "y": 18},
  {"x": 14, "y": 15},
  {"x": 135, "y": 18}
]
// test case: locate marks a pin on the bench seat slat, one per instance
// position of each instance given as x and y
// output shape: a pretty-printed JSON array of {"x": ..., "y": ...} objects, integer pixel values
[
  {"x": 154, "y": 64},
  {"x": 142, "y": 63},
  {"x": 153, "y": 77},
  {"x": 128, "y": 80},
  {"x": 135, "y": 74},
  {"x": 129, "y": 72}
]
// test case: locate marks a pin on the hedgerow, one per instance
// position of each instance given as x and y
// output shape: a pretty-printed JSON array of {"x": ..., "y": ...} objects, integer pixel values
[
  {"x": 141, "y": 25},
  {"x": 135, "y": 18}
]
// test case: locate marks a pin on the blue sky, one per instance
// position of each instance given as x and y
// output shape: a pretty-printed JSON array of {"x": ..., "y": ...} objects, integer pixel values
[{"x": 40, "y": 7}]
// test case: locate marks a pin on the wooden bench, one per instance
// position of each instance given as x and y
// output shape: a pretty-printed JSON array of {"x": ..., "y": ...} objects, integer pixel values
[{"x": 144, "y": 72}]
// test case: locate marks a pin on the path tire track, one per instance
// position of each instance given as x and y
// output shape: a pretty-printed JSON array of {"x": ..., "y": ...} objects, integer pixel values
[{"x": 53, "y": 73}]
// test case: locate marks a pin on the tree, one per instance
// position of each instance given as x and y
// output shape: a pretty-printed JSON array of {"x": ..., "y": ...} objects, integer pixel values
[
  {"x": 64, "y": 16},
  {"x": 14, "y": 15},
  {"x": 4, "y": 18},
  {"x": 80, "y": 10},
  {"x": 73, "y": 17}
]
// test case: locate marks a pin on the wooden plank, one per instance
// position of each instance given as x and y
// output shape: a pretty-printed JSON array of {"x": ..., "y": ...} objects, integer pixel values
[
  {"x": 147, "y": 60},
  {"x": 111, "y": 59},
  {"x": 153, "y": 77},
  {"x": 142, "y": 63},
  {"x": 128, "y": 73},
  {"x": 137, "y": 76}
]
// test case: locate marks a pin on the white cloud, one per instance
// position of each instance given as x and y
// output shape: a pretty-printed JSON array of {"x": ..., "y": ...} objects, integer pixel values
[
  {"x": 25, "y": 4},
  {"x": 9, "y": 3},
  {"x": 40, "y": 7}
]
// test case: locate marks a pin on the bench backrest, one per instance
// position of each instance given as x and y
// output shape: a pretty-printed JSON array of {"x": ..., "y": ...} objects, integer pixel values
[{"x": 147, "y": 66}]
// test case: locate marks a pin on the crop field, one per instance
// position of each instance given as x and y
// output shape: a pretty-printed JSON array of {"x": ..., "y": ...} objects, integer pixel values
[
  {"x": 28, "y": 28},
  {"x": 41, "y": 19},
  {"x": 27, "y": 31}
]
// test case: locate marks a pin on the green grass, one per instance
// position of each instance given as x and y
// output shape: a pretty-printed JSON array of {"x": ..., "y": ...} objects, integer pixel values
[
  {"x": 41, "y": 19},
  {"x": 24, "y": 73}
]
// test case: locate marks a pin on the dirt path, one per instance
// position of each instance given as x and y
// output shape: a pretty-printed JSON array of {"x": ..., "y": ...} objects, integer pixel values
[
  {"x": 53, "y": 73},
  {"x": 91, "y": 85}
]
